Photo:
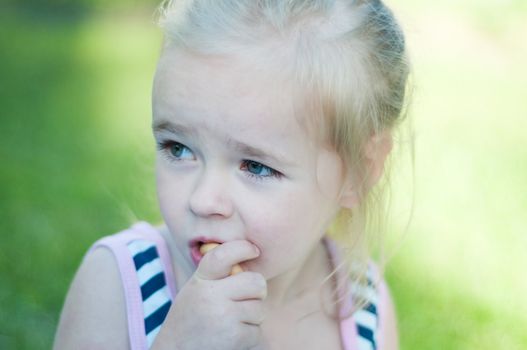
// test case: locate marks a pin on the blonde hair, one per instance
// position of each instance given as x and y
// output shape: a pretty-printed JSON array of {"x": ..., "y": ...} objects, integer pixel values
[{"x": 348, "y": 56}]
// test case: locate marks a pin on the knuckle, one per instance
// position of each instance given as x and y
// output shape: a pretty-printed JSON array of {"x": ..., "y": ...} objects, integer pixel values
[
  {"x": 197, "y": 276},
  {"x": 256, "y": 310},
  {"x": 260, "y": 280},
  {"x": 218, "y": 254},
  {"x": 249, "y": 246},
  {"x": 203, "y": 274},
  {"x": 261, "y": 314},
  {"x": 258, "y": 316}
]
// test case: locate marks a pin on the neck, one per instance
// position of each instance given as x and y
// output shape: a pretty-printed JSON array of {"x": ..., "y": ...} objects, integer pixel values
[{"x": 300, "y": 287}]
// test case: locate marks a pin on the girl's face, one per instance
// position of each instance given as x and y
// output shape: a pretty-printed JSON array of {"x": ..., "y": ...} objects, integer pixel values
[{"x": 233, "y": 162}]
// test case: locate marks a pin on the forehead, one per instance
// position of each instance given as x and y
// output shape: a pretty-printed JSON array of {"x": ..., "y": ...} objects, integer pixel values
[{"x": 230, "y": 96}]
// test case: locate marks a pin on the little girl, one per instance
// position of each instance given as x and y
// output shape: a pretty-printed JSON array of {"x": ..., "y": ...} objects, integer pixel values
[{"x": 273, "y": 121}]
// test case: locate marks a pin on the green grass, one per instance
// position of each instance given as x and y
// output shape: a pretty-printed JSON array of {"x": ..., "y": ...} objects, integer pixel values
[
  {"x": 457, "y": 280},
  {"x": 75, "y": 121},
  {"x": 78, "y": 155}
]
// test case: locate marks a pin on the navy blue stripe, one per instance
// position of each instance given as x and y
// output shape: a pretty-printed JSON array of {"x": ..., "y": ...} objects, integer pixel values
[
  {"x": 157, "y": 317},
  {"x": 370, "y": 282},
  {"x": 153, "y": 285},
  {"x": 145, "y": 257},
  {"x": 371, "y": 308},
  {"x": 366, "y": 333}
]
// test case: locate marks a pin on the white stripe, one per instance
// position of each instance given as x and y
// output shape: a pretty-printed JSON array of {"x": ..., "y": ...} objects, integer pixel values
[
  {"x": 152, "y": 335},
  {"x": 156, "y": 300},
  {"x": 364, "y": 344},
  {"x": 366, "y": 292},
  {"x": 366, "y": 319},
  {"x": 139, "y": 246},
  {"x": 149, "y": 270}
]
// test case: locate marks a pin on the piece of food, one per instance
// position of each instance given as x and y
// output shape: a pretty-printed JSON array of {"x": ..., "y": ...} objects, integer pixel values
[
  {"x": 207, "y": 247},
  {"x": 236, "y": 269}
]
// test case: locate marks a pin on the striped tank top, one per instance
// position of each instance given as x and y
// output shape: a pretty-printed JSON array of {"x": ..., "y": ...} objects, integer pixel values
[{"x": 149, "y": 288}]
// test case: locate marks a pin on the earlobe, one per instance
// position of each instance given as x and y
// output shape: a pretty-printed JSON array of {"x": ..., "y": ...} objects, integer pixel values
[
  {"x": 350, "y": 193},
  {"x": 349, "y": 197},
  {"x": 376, "y": 151}
]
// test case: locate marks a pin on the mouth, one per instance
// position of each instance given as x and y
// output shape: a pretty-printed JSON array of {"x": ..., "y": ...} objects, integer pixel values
[{"x": 195, "y": 245}]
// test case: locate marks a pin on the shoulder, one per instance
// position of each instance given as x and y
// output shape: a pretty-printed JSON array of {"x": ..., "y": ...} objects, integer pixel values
[{"x": 94, "y": 312}]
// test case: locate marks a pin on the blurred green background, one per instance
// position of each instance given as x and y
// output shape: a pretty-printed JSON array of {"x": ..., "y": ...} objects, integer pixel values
[{"x": 75, "y": 80}]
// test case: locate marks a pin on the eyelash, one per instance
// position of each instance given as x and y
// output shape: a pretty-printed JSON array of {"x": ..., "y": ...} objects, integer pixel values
[{"x": 164, "y": 147}]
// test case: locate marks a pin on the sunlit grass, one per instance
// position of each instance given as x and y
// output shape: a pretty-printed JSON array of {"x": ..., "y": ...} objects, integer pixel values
[{"x": 466, "y": 247}]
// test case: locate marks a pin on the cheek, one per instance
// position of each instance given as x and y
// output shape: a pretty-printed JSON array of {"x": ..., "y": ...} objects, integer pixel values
[
  {"x": 288, "y": 229},
  {"x": 162, "y": 187},
  {"x": 168, "y": 193},
  {"x": 330, "y": 174}
]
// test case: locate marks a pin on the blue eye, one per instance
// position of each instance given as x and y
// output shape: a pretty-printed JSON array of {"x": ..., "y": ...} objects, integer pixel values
[
  {"x": 173, "y": 150},
  {"x": 255, "y": 170}
]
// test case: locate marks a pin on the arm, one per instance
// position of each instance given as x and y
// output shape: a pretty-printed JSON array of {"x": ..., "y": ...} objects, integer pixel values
[
  {"x": 389, "y": 339},
  {"x": 94, "y": 313}
]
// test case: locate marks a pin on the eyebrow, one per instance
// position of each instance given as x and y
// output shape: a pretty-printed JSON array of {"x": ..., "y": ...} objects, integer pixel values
[{"x": 179, "y": 129}]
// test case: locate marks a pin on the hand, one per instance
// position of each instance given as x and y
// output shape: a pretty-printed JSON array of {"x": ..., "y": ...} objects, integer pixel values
[{"x": 217, "y": 311}]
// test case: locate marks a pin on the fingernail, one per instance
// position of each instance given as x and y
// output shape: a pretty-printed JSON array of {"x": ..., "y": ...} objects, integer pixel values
[{"x": 256, "y": 250}]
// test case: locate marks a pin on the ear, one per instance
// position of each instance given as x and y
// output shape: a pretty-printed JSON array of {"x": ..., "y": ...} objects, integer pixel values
[
  {"x": 376, "y": 150},
  {"x": 375, "y": 153},
  {"x": 350, "y": 197}
]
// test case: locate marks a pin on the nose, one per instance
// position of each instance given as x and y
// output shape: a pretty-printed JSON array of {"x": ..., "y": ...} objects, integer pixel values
[{"x": 210, "y": 195}]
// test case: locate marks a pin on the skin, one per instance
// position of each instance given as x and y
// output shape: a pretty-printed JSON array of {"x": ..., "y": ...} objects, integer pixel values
[
  {"x": 207, "y": 189},
  {"x": 271, "y": 226}
]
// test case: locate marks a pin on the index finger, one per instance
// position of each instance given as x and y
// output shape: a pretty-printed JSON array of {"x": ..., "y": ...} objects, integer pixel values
[{"x": 218, "y": 262}]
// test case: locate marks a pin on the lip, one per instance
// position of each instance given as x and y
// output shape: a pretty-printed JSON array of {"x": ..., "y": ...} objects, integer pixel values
[{"x": 194, "y": 245}]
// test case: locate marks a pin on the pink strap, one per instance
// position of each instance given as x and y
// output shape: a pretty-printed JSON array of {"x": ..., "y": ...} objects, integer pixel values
[
  {"x": 383, "y": 298},
  {"x": 348, "y": 329},
  {"x": 117, "y": 243}
]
